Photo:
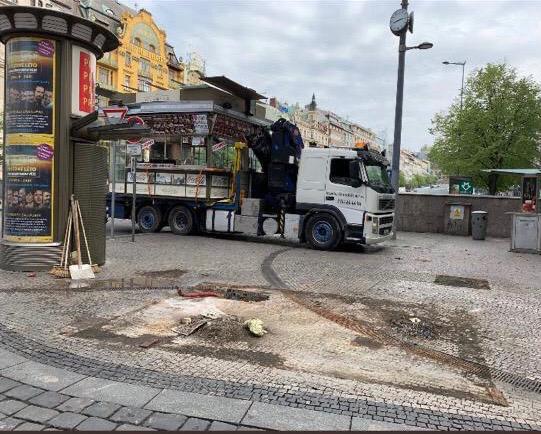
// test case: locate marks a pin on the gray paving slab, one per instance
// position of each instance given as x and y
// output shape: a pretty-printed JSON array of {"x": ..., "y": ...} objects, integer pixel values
[
  {"x": 49, "y": 399},
  {"x": 113, "y": 391},
  {"x": 96, "y": 424},
  {"x": 279, "y": 417},
  {"x": 101, "y": 409},
  {"x": 9, "y": 423},
  {"x": 75, "y": 405},
  {"x": 222, "y": 426},
  {"x": 11, "y": 406},
  {"x": 193, "y": 404},
  {"x": 8, "y": 359},
  {"x": 67, "y": 420},
  {"x": 29, "y": 426},
  {"x": 36, "y": 414},
  {"x": 131, "y": 415},
  {"x": 24, "y": 392},
  {"x": 165, "y": 422},
  {"x": 362, "y": 424},
  {"x": 40, "y": 375},
  {"x": 128, "y": 427},
  {"x": 195, "y": 424},
  {"x": 7, "y": 383}
]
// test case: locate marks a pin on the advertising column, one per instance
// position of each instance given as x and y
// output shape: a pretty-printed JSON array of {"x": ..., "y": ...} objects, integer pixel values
[{"x": 29, "y": 140}]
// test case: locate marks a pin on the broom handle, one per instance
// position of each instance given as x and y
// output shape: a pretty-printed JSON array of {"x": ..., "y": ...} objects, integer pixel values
[
  {"x": 68, "y": 240},
  {"x": 77, "y": 234},
  {"x": 64, "y": 246},
  {"x": 84, "y": 231}
]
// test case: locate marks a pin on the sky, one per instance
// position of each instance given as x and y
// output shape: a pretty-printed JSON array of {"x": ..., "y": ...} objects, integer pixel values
[{"x": 344, "y": 52}]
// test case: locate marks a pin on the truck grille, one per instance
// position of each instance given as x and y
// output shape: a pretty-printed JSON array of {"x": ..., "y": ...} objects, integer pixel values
[
  {"x": 385, "y": 204},
  {"x": 386, "y": 220}
]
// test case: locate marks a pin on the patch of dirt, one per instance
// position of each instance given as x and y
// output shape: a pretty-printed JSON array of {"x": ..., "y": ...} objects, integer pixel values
[
  {"x": 261, "y": 358},
  {"x": 165, "y": 274},
  {"x": 418, "y": 329},
  {"x": 225, "y": 329},
  {"x": 362, "y": 341},
  {"x": 462, "y": 282}
]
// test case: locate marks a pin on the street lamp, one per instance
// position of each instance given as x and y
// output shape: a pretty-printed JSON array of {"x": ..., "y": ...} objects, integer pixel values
[
  {"x": 463, "y": 64},
  {"x": 399, "y": 24}
]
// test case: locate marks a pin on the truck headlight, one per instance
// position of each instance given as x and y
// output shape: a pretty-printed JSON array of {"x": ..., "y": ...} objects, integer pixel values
[{"x": 375, "y": 225}]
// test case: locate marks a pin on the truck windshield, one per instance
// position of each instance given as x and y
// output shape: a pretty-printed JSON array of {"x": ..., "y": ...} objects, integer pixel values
[{"x": 378, "y": 178}]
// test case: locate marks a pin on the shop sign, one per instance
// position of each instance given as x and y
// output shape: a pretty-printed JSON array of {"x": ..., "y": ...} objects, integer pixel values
[
  {"x": 133, "y": 149},
  {"x": 200, "y": 124},
  {"x": 84, "y": 79},
  {"x": 29, "y": 186}
]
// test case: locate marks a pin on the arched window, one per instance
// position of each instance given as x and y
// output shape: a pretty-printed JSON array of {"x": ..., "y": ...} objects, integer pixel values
[
  {"x": 137, "y": 41},
  {"x": 152, "y": 48}
]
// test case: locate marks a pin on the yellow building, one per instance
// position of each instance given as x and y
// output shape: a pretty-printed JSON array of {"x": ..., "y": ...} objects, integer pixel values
[{"x": 145, "y": 61}]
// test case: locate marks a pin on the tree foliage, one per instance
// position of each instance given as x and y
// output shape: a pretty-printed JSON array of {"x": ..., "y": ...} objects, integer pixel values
[{"x": 498, "y": 127}]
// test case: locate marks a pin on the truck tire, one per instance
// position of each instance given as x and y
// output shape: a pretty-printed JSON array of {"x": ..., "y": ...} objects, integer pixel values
[
  {"x": 323, "y": 232},
  {"x": 181, "y": 220},
  {"x": 148, "y": 219}
]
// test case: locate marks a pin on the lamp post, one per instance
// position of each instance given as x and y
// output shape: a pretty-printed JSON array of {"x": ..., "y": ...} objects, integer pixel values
[
  {"x": 399, "y": 24},
  {"x": 463, "y": 64}
]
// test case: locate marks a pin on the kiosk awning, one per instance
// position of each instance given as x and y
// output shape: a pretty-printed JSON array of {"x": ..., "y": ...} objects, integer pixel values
[{"x": 518, "y": 172}]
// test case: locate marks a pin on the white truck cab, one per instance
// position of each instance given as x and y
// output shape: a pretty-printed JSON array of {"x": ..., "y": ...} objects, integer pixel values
[{"x": 346, "y": 195}]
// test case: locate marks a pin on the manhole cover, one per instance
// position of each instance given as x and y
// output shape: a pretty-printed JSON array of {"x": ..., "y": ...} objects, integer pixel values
[{"x": 463, "y": 282}]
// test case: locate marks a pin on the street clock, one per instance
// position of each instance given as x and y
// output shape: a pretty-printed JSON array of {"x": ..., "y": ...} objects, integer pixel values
[{"x": 399, "y": 21}]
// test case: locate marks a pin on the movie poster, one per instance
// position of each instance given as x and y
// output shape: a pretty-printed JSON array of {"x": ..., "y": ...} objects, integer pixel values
[{"x": 29, "y": 148}]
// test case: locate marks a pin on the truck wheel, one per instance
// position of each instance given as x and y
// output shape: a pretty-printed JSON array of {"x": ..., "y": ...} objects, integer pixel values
[
  {"x": 181, "y": 221},
  {"x": 148, "y": 219},
  {"x": 323, "y": 232}
]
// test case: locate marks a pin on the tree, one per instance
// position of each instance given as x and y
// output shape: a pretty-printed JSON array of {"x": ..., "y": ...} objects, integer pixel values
[
  {"x": 499, "y": 127},
  {"x": 401, "y": 179}
]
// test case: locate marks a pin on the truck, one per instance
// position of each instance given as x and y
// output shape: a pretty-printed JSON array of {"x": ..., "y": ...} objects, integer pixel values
[{"x": 220, "y": 171}]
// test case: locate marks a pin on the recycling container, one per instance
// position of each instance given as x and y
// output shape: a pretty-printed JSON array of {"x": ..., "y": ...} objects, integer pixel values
[{"x": 479, "y": 225}]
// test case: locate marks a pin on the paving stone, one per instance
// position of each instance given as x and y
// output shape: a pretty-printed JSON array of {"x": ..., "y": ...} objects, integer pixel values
[
  {"x": 7, "y": 383},
  {"x": 222, "y": 426},
  {"x": 23, "y": 392},
  {"x": 36, "y": 414},
  {"x": 128, "y": 427},
  {"x": 285, "y": 418},
  {"x": 248, "y": 428},
  {"x": 101, "y": 409},
  {"x": 29, "y": 426},
  {"x": 112, "y": 391},
  {"x": 7, "y": 359},
  {"x": 49, "y": 399},
  {"x": 96, "y": 424},
  {"x": 195, "y": 424},
  {"x": 67, "y": 420},
  {"x": 9, "y": 423},
  {"x": 75, "y": 405},
  {"x": 131, "y": 415},
  {"x": 196, "y": 405},
  {"x": 165, "y": 422},
  {"x": 11, "y": 406},
  {"x": 40, "y": 375}
]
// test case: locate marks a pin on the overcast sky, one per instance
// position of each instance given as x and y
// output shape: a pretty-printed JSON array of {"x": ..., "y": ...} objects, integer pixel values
[{"x": 344, "y": 52}]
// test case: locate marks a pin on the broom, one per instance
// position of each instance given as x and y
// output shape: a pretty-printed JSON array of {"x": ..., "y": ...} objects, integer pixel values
[
  {"x": 95, "y": 267},
  {"x": 61, "y": 271}
]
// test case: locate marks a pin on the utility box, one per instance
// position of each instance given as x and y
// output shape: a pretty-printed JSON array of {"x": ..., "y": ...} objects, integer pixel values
[{"x": 457, "y": 218}]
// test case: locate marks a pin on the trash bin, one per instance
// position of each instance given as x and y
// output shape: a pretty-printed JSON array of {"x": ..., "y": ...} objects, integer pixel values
[{"x": 479, "y": 225}]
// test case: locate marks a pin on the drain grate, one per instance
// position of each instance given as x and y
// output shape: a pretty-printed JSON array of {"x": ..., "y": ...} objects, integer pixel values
[{"x": 463, "y": 282}]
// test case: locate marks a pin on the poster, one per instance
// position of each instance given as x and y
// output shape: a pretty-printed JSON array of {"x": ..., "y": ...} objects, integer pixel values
[
  {"x": 456, "y": 212},
  {"x": 30, "y": 85},
  {"x": 29, "y": 148}
]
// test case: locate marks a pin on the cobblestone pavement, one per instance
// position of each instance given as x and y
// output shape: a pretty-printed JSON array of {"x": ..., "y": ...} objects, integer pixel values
[{"x": 39, "y": 317}]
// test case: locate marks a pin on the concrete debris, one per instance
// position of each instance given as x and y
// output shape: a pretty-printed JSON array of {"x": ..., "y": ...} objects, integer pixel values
[
  {"x": 186, "y": 320},
  {"x": 415, "y": 320},
  {"x": 190, "y": 328},
  {"x": 212, "y": 314},
  {"x": 255, "y": 326}
]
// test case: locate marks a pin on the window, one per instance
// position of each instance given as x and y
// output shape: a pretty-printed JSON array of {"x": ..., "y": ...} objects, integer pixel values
[
  {"x": 143, "y": 85},
  {"x": 137, "y": 41},
  {"x": 144, "y": 67},
  {"x": 127, "y": 80},
  {"x": 128, "y": 59},
  {"x": 340, "y": 172},
  {"x": 152, "y": 48},
  {"x": 105, "y": 77}
]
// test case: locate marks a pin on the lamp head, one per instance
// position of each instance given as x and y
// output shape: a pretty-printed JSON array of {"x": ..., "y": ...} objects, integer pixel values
[{"x": 425, "y": 45}]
